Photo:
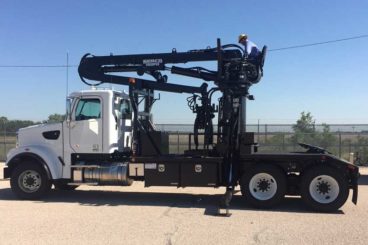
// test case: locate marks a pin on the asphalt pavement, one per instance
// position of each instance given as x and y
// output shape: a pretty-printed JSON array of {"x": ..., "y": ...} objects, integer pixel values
[{"x": 167, "y": 215}]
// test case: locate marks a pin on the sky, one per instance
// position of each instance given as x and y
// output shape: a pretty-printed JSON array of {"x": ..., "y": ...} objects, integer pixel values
[{"x": 330, "y": 81}]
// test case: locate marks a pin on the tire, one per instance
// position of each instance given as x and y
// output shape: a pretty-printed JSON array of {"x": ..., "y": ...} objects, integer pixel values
[
  {"x": 29, "y": 181},
  {"x": 324, "y": 189},
  {"x": 65, "y": 187},
  {"x": 263, "y": 186}
]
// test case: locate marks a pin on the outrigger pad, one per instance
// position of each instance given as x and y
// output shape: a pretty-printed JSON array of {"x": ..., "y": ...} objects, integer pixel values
[
  {"x": 223, "y": 209},
  {"x": 223, "y": 212}
]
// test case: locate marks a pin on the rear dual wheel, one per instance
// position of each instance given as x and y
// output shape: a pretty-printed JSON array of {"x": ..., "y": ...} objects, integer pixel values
[{"x": 324, "y": 188}]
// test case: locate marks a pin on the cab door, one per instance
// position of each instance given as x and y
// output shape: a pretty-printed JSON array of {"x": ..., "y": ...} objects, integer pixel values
[
  {"x": 86, "y": 126},
  {"x": 124, "y": 116}
]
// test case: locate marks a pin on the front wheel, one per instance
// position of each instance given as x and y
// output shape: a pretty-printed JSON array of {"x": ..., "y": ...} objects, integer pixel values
[
  {"x": 263, "y": 186},
  {"x": 324, "y": 189},
  {"x": 29, "y": 181}
]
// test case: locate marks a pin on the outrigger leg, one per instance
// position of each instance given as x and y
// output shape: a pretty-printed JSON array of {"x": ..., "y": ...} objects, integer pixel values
[{"x": 223, "y": 209}]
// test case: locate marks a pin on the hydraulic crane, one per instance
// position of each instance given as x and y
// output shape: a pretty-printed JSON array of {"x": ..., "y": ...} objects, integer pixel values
[
  {"x": 94, "y": 145},
  {"x": 234, "y": 75}
]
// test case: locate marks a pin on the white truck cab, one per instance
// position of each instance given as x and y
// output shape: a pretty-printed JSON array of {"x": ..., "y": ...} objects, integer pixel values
[{"x": 97, "y": 121}]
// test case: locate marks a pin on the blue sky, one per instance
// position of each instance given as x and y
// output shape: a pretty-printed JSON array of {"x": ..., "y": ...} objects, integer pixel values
[{"x": 330, "y": 81}]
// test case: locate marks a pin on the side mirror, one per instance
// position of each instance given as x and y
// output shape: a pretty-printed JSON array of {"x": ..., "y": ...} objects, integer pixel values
[{"x": 68, "y": 110}]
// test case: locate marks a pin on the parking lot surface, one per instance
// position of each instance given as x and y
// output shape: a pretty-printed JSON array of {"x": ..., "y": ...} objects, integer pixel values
[{"x": 167, "y": 215}]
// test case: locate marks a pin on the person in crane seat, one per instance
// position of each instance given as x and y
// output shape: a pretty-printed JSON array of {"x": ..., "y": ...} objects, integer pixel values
[
  {"x": 253, "y": 56},
  {"x": 251, "y": 48}
]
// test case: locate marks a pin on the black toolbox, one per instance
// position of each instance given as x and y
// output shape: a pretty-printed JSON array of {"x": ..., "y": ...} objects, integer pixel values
[{"x": 183, "y": 172}]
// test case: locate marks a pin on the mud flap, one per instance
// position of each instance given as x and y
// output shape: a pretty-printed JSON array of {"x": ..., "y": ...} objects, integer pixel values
[
  {"x": 355, "y": 186},
  {"x": 6, "y": 173},
  {"x": 355, "y": 194}
]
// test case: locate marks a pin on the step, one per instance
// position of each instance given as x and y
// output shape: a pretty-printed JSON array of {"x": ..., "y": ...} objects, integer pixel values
[
  {"x": 83, "y": 183},
  {"x": 85, "y": 166}
]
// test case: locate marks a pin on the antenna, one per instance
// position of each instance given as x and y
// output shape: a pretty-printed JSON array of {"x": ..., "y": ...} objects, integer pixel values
[{"x": 67, "y": 73}]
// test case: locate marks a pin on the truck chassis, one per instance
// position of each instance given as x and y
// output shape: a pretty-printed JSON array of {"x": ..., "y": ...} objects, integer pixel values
[{"x": 321, "y": 179}]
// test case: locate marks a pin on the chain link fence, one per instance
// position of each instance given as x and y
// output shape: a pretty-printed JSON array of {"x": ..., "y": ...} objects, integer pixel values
[
  {"x": 7, "y": 141},
  {"x": 341, "y": 140}
]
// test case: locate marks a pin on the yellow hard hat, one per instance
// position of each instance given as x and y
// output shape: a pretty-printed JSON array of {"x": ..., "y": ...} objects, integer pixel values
[{"x": 242, "y": 37}]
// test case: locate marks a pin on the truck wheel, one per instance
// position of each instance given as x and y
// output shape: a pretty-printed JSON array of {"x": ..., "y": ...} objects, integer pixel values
[
  {"x": 65, "y": 187},
  {"x": 263, "y": 186},
  {"x": 29, "y": 181},
  {"x": 324, "y": 189}
]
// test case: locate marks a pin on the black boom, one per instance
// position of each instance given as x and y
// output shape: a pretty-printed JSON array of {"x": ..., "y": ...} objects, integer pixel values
[{"x": 234, "y": 75}]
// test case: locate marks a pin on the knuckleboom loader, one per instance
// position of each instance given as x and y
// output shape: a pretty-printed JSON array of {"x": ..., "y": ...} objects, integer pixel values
[{"x": 108, "y": 137}]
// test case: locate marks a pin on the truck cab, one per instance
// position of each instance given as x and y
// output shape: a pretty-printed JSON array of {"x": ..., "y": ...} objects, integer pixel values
[{"x": 97, "y": 121}]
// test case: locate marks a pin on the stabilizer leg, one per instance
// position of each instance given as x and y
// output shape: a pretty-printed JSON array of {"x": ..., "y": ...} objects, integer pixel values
[{"x": 223, "y": 209}]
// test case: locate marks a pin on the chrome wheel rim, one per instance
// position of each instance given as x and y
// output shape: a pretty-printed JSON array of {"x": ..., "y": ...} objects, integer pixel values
[
  {"x": 324, "y": 189},
  {"x": 263, "y": 186},
  {"x": 29, "y": 181}
]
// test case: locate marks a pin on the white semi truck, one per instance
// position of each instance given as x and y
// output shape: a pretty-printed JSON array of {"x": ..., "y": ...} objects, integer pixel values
[{"x": 108, "y": 137}]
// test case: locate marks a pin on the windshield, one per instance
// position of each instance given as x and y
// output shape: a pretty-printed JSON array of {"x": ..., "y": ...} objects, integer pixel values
[{"x": 88, "y": 109}]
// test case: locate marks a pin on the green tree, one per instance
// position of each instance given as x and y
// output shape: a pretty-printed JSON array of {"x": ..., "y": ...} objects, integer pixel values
[
  {"x": 3, "y": 122},
  {"x": 305, "y": 124},
  {"x": 326, "y": 138},
  {"x": 305, "y": 132},
  {"x": 55, "y": 118},
  {"x": 3, "y": 119},
  {"x": 11, "y": 126},
  {"x": 304, "y": 129}
]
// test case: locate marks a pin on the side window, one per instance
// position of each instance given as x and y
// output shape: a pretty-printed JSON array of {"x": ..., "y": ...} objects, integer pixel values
[
  {"x": 125, "y": 109},
  {"x": 88, "y": 109}
]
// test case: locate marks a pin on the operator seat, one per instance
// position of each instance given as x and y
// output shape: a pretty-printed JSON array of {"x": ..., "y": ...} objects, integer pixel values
[{"x": 258, "y": 62}]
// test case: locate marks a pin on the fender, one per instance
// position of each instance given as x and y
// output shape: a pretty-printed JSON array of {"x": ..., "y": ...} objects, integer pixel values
[{"x": 45, "y": 155}]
